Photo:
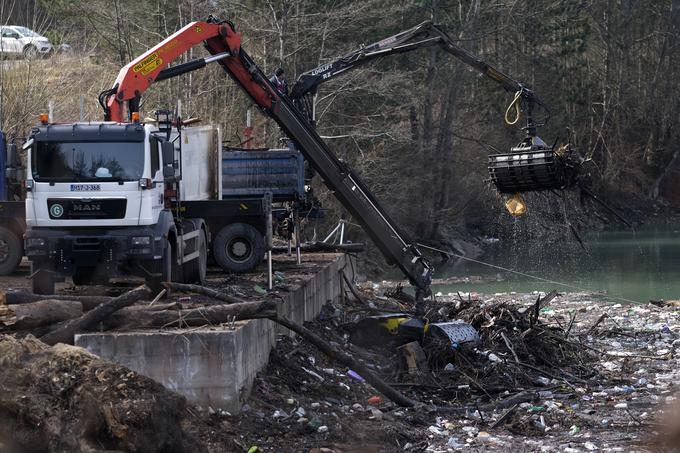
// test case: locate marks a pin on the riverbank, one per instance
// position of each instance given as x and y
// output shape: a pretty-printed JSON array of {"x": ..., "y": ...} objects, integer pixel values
[{"x": 551, "y": 372}]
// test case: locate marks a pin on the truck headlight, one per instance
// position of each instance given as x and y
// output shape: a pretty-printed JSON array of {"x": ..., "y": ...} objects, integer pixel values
[
  {"x": 35, "y": 243},
  {"x": 141, "y": 240}
]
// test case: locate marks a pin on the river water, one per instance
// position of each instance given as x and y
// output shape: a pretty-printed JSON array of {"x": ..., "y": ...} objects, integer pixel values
[{"x": 633, "y": 266}]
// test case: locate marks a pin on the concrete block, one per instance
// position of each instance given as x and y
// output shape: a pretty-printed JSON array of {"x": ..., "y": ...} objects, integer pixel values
[{"x": 215, "y": 367}]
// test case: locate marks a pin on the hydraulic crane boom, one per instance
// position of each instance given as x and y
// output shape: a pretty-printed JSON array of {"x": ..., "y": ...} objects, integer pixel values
[
  {"x": 224, "y": 44},
  {"x": 529, "y": 166},
  {"x": 421, "y": 36}
]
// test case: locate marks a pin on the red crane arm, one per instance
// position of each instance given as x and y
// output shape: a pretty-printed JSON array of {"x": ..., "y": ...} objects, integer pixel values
[
  {"x": 138, "y": 75},
  {"x": 224, "y": 45}
]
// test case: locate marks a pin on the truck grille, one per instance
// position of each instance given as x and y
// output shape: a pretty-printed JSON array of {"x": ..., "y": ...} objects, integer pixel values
[
  {"x": 84, "y": 244},
  {"x": 76, "y": 209}
]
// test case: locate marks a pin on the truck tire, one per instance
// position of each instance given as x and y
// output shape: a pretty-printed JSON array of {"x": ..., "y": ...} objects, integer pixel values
[
  {"x": 164, "y": 268},
  {"x": 11, "y": 251},
  {"x": 238, "y": 247},
  {"x": 42, "y": 281},
  {"x": 195, "y": 270}
]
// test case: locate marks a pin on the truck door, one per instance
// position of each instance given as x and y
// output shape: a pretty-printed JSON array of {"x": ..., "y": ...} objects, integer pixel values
[{"x": 158, "y": 187}]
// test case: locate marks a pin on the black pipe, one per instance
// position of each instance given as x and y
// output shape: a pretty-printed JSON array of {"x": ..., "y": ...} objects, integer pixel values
[{"x": 180, "y": 69}]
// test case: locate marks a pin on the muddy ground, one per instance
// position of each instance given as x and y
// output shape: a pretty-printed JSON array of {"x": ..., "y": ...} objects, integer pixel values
[{"x": 580, "y": 373}]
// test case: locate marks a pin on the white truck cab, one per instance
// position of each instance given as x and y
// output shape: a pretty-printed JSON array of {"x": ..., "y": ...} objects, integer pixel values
[
  {"x": 96, "y": 202},
  {"x": 92, "y": 174}
]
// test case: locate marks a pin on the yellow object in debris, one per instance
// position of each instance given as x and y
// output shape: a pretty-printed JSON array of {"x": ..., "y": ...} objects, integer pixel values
[
  {"x": 516, "y": 206},
  {"x": 392, "y": 324}
]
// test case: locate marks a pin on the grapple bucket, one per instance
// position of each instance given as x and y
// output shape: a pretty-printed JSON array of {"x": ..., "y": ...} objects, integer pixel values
[{"x": 532, "y": 167}]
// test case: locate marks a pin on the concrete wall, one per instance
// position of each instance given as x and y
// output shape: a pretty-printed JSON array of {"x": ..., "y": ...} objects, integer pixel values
[{"x": 216, "y": 367}]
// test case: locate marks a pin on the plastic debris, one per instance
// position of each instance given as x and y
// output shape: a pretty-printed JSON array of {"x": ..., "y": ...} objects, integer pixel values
[
  {"x": 354, "y": 375},
  {"x": 374, "y": 400},
  {"x": 436, "y": 430},
  {"x": 315, "y": 423},
  {"x": 453, "y": 442},
  {"x": 376, "y": 414},
  {"x": 279, "y": 414}
]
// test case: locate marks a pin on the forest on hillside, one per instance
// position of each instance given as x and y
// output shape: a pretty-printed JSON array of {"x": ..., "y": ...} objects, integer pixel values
[{"x": 417, "y": 126}]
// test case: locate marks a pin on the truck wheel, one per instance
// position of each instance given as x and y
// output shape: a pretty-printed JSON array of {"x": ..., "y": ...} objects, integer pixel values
[
  {"x": 42, "y": 281},
  {"x": 165, "y": 269},
  {"x": 11, "y": 251},
  {"x": 194, "y": 270},
  {"x": 83, "y": 276},
  {"x": 238, "y": 247}
]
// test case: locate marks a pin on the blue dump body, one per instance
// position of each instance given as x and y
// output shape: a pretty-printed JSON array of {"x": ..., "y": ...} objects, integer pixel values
[
  {"x": 253, "y": 173},
  {"x": 3, "y": 165}
]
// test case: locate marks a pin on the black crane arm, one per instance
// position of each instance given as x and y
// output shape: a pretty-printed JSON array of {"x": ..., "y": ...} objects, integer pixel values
[
  {"x": 224, "y": 44},
  {"x": 424, "y": 35}
]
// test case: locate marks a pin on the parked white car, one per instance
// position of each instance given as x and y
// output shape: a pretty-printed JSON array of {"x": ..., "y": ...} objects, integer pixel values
[{"x": 18, "y": 41}]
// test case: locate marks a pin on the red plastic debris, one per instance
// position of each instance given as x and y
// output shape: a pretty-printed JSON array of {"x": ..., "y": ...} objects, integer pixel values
[{"x": 374, "y": 400}]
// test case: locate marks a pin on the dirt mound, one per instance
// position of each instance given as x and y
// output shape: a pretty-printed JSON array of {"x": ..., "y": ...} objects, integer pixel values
[{"x": 62, "y": 398}]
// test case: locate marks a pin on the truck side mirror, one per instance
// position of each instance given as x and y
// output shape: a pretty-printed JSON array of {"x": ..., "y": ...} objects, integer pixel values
[
  {"x": 12, "y": 156},
  {"x": 12, "y": 163},
  {"x": 168, "y": 153}
]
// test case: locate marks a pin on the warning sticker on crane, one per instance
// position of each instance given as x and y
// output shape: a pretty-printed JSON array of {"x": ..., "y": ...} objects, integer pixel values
[{"x": 148, "y": 64}]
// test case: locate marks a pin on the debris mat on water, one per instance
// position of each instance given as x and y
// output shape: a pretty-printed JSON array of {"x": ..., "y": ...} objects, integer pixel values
[{"x": 518, "y": 348}]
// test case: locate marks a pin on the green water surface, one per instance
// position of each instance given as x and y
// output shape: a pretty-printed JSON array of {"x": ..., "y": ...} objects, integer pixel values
[{"x": 637, "y": 266}]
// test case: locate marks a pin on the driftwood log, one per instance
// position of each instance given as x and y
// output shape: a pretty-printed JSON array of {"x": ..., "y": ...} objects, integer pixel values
[
  {"x": 185, "y": 288},
  {"x": 135, "y": 318},
  {"x": 65, "y": 332},
  {"x": 353, "y": 289},
  {"x": 323, "y": 247},
  {"x": 23, "y": 297},
  {"x": 40, "y": 313}
]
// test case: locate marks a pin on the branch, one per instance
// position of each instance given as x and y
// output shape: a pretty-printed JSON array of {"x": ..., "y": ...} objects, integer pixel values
[{"x": 65, "y": 333}]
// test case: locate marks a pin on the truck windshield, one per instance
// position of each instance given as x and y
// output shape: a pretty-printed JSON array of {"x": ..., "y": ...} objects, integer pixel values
[{"x": 88, "y": 161}]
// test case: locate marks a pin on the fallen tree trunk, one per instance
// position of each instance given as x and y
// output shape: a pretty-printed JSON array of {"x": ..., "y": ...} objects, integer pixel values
[
  {"x": 23, "y": 297},
  {"x": 43, "y": 312},
  {"x": 65, "y": 333},
  {"x": 204, "y": 291},
  {"x": 133, "y": 318},
  {"x": 155, "y": 307},
  {"x": 323, "y": 247}
]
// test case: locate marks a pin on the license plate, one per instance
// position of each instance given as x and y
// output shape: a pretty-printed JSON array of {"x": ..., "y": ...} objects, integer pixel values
[{"x": 85, "y": 187}]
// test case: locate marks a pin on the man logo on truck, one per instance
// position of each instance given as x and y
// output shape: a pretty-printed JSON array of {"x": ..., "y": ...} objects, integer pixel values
[{"x": 57, "y": 210}]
